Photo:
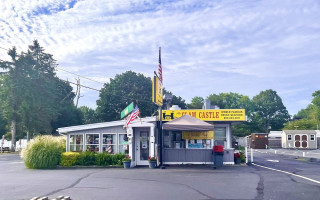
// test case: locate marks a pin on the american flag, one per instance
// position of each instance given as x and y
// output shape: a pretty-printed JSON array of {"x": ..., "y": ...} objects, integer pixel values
[
  {"x": 132, "y": 116},
  {"x": 160, "y": 67}
]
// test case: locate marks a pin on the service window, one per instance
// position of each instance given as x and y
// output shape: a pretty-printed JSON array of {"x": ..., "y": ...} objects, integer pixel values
[
  {"x": 123, "y": 144},
  {"x": 173, "y": 139},
  {"x": 92, "y": 142},
  {"x": 311, "y": 137},
  {"x": 109, "y": 143},
  {"x": 76, "y": 143},
  {"x": 289, "y": 137},
  {"x": 199, "y": 144}
]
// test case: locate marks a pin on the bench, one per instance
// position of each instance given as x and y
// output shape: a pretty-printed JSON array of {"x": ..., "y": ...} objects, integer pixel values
[{"x": 3, "y": 149}]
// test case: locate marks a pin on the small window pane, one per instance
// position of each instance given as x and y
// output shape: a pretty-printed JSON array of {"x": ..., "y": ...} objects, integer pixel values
[
  {"x": 92, "y": 139},
  {"x": 94, "y": 148},
  {"x": 123, "y": 144},
  {"x": 109, "y": 139},
  {"x": 304, "y": 137},
  {"x": 311, "y": 137},
  {"x": 76, "y": 148},
  {"x": 289, "y": 137},
  {"x": 76, "y": 139},
  {"x": 110, "y": 149}
]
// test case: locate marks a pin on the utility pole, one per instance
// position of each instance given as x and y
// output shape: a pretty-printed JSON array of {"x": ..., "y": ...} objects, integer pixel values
[{"x": 78, "y": 91}]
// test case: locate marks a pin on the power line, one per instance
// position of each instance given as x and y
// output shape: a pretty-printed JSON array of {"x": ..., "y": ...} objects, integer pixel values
[
  {"x": 68, "y": 71},
  {"x": 79, "y": 75},
  {"x": 81, "y": 85},
  {"x": 4, "y": 49}
]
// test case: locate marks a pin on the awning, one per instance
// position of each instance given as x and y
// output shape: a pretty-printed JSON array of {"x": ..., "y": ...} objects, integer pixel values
[{"x": 187, "y": 123}]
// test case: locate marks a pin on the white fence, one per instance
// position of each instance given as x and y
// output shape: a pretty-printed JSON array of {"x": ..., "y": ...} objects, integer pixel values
[{"x": 20, "y": 144}]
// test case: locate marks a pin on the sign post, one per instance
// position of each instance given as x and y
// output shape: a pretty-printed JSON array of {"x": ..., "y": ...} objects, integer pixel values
[{"x": 157, "y": 98}]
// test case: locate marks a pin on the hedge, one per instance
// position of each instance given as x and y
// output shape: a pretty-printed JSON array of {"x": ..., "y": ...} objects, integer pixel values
[
  {"x": 69, "y": 159},
  {"x": 87, "y": 158}
]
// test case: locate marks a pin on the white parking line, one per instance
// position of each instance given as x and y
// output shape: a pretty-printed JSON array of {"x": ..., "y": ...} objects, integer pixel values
[
  {"x": 309, "y": 179},
  {"x": 273, "y": 160},
  {"x": 15, "y": 163}
]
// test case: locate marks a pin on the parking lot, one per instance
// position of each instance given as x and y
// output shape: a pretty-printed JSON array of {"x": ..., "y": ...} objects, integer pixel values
[{"x": 189, "y": 182}]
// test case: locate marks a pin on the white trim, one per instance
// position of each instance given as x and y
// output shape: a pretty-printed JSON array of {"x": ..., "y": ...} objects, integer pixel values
[{"x": 105, "y": 124}]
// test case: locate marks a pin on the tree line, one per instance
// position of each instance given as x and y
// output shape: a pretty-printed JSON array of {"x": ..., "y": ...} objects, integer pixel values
[{"x": 33, "y": 100}]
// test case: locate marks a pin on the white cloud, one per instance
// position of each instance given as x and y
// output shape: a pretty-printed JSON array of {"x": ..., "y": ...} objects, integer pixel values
[{"x": 207, "y": 46}]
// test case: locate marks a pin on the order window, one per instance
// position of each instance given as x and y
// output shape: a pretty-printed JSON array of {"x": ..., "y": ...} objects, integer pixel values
[{"x": 173, "y": 139}]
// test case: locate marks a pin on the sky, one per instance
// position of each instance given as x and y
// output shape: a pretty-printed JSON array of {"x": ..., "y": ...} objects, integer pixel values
[{"x": 208, "y": 47}]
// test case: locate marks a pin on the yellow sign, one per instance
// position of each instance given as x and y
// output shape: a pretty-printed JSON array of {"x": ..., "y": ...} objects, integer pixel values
[
  {"x": 207, "y": 115},
  {"x": 202, "y": 135},
  {"x": 157, "y": 91}
]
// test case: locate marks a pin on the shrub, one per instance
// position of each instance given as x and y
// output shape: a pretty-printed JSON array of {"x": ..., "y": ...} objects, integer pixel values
[
  {"x": 69, "y": 158},
  {"x": 117, "y": 158},
  {"x": 44, "y": 152},
  {"x": 86, "y": 158},
  {"x": 103, "y": 159},
  {"x": 242, "y": 157}
]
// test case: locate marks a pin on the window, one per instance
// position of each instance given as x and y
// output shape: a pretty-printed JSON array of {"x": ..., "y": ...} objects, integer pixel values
[
  {"x": 289, "y": 137},
  {"x": 220, "y": 135},
  {"x": 109, "y": 143},
  {"x": 173, "y": 139},
  {"x": 123, "y": 144},
  {"x": 76, "y": 142},
  {"x": 311, "y": 137},
  {"x": 92, "y": 142},
  {"x": 204, "y": 143}
]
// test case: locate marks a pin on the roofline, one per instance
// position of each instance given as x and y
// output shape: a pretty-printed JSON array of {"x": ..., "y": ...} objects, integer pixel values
[{"x": 101, "y": 125}]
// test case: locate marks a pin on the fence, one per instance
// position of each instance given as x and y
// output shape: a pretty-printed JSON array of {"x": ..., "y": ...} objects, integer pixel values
[{"x": 20, "y": 144}]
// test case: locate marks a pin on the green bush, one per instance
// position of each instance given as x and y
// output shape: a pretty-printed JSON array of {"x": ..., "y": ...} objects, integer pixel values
[
  {"x": 117, "y": 158},
  {"x": 69, "y": 158},
  {"x": 44, "y": 152},
  {"x": 86, "y": 158},
  {"x": 103, "y": 159}
]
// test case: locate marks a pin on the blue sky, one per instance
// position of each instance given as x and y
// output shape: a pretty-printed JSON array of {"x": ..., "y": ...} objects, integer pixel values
[{"x": 243, "y": 46}]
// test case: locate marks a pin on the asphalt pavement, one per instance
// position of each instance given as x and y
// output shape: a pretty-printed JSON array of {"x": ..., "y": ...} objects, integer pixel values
[{"x": 175, "y": 182}]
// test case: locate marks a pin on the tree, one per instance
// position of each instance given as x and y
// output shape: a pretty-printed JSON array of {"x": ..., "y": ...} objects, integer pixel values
[
  {"x": 237, "y": 101},
  {"x": 89, "y": 115},
  {"x": 126, "y": 88},
  {"x": 176, "y": 100},
  {"x": 196, "y": 103},
  {"x": 270, "y": 111},
  {"x": 32, "y": 96},
  {"x": 121, "y": 91},
  {"x": 302, "y": 124}
]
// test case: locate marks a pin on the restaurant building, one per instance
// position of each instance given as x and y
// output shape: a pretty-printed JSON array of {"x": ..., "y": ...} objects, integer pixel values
[{"x": 188, "y": 136}]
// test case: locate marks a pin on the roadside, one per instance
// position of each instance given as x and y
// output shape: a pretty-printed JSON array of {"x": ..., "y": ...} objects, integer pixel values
[{"x": 301, "y": 155}]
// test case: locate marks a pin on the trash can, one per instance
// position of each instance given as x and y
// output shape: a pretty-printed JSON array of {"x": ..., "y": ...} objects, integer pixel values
[{"x": 218, "y": 155}]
